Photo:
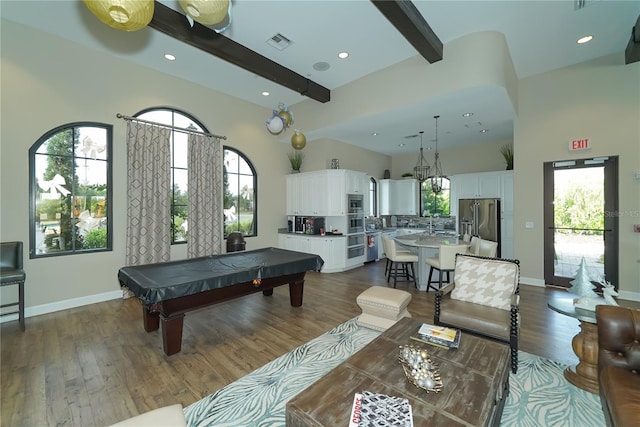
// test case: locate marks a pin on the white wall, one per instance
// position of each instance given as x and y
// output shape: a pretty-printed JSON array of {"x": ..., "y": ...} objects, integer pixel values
[{"x": 600, "y": 101}]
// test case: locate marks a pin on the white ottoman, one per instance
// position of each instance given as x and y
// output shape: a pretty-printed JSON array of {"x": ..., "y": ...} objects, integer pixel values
[{"x": 382, "y": 307}]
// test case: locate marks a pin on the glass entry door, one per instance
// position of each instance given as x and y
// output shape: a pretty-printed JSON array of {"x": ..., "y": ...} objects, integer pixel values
[{"x": 581, "y": 227}]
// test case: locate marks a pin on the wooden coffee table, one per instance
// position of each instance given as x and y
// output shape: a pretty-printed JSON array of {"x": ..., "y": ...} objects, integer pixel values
[{"x": 475, "y": 383}]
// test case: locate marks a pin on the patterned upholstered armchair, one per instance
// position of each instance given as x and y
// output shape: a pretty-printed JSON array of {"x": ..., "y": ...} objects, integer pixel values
[{"x": 483, "y": 300}]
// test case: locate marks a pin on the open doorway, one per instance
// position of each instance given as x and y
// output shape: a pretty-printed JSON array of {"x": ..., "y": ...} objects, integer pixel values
[{"x": 580, "y": 224}]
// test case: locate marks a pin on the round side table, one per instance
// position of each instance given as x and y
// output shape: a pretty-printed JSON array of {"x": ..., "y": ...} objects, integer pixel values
[{"x": 585, "y": 344}]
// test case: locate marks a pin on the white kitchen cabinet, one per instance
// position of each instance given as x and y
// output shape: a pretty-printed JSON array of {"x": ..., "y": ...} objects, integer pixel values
[
  {"x": 398, "y": 196},
  {"x": 332, "y": 250},
  {"x": 477, "y": 185},
  {"x": 356, "y": 182},
  {"x": 406, "y": 194},
  {"x": 324, "y": 192},
  {"x": 334, "y": 197},
  {"x": 315, "y": 193}
]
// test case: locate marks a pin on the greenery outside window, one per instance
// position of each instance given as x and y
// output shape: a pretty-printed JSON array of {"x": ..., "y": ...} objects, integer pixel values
[
  {"x": 435, "y": 204},
  {"x": 70, "y": 190},
  {"x": 240, "y": 191}
]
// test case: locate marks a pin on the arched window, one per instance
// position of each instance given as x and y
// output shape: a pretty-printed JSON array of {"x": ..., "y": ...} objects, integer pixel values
[
  {"x": 240, "y": 191},
  {"x": 239, "y": 177},
  {"x": 435, "y": 204},
  {"x": 70, "y": 190},
  {"x": 373, "y": 197},
  {"x": 179, "y": 167}
]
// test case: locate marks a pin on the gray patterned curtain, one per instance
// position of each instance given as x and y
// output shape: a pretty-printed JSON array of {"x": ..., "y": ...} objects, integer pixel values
[
  {"x": 148, "y": 193},
  {"x": 206, "y": 227}
]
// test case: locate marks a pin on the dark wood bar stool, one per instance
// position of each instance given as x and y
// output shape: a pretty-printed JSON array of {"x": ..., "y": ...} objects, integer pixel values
[{"x": 11, "y": 273}]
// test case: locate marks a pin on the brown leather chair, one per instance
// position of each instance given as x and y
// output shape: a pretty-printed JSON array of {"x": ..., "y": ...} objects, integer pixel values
[
  {"x": 11, "y": 273},
  {"x": 619, "y": 364}
]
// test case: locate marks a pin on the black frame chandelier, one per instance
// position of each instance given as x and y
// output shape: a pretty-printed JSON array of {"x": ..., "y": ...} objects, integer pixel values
[
  {"x": 421, "y": 169},
  {"x": 436, "y": 178}
]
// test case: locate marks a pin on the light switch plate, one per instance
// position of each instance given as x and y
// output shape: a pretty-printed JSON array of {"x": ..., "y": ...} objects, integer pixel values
[{"x": 528, "y": 224}]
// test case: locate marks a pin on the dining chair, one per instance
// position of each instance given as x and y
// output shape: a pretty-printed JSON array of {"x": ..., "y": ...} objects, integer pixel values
[
  {"x": 445, "y": 263},
  {"x": 487, "y": 248},
  {"x": 398, "y": 262},
  {"x": 473, "y": 245}
]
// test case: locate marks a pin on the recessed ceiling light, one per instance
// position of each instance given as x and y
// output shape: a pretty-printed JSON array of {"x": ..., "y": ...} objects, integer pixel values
[
  {"x": 265, "y": 93},
  {"x": 401, "y": 144},
  {"x": 484, "y": 130},
  {"x": 585, "y": 39},
  {"x": 343, "y": 55},
  {"x": 467, "y": 115},
  {"x": 169, "y": 57},
  {"x": 374, "y": 133}
]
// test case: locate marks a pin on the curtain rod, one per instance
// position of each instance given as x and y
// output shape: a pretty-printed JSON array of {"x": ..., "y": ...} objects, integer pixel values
[{"x": 135, "y": 119}]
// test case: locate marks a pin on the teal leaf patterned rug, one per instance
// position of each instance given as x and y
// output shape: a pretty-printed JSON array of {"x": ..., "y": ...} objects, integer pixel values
[{"x": 539, "y": 394}]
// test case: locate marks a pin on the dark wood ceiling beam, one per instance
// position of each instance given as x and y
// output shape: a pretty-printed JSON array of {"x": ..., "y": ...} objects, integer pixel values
[
  {"x": 175, "y": 24},
  {"x": 632, "y": 52},
  {"x": 412, "y": 25}
]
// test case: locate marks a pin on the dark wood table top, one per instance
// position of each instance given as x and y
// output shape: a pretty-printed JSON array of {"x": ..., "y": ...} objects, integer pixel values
[{"x": 474, "y": 378}]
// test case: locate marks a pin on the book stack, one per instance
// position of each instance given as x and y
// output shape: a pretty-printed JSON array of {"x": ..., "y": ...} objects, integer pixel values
[
  {"x": 379, "y": 410},
  {"x": 438, "y": 336}
]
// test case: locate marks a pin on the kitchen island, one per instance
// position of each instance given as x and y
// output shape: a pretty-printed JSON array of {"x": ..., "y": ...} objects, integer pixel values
[{"x": 428, "y": 246}]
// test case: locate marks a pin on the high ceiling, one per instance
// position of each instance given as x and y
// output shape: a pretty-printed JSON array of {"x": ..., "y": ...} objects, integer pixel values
[{"x": 541, "y": 36}]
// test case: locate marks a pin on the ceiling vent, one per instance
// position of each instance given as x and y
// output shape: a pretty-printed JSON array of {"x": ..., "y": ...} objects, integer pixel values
[
  {"x": 279, "y": 41},
  {"x": 473, "y": 125},
  {"x": 579, "y": 4}
]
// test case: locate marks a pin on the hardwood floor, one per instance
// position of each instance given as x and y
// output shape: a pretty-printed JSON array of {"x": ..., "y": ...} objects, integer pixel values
[{"x": 95, "y": 365}]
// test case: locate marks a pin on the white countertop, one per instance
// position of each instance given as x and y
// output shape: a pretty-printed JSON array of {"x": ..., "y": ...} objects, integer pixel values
[{"x": 428, "y": 240}]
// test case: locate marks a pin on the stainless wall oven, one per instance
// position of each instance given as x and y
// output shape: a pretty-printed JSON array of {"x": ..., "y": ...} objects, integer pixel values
[{"x": 355, "y": 227}]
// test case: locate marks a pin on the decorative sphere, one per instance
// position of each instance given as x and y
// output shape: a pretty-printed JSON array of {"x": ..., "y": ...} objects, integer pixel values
[
  {"x": 275, "y": 125},
  {"x": 298, "y": 140},
  {"x": 286, "y": 118},
  {"x": 429, "y": 383}
]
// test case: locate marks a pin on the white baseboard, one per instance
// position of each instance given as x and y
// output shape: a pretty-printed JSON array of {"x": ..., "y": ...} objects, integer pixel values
[
  {"x": 64, "y": 305},
  {"x": 531, "y": 281},
  {"x": 624, "y": 295}
]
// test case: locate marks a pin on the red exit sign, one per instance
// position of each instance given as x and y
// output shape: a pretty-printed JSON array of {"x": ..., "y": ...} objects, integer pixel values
[{"x": 579, "y": 144}]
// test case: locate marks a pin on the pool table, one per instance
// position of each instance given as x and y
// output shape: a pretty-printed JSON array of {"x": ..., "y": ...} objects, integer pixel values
[{"x": 168, "y": 290}]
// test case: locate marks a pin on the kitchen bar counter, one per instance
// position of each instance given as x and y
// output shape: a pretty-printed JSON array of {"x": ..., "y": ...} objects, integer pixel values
[
  {"x": 427, "y": 240},
  {"x": 427, "y": 246}
]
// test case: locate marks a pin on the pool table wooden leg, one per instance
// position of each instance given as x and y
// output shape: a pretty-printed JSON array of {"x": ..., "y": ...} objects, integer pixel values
[
  {"x": 172, "y": 333},
  {"x": 151, "y": 320},
  {"x": 295, "y": 292}
]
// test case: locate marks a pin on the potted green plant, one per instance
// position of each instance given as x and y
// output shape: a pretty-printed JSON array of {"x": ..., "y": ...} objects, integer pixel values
[
  {"x": 507, "y": 153},
  {"x": 295, "y": 158},
  {"x": 407, "y": 175}
]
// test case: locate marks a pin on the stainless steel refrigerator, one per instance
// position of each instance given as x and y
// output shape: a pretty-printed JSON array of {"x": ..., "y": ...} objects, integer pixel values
[{"x": 481, "y": 218}]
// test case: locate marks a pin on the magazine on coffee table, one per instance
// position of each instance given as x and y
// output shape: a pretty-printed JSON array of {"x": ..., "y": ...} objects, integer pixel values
[
  {"x": 379, "y": 410},
  {"x": 439, "y": 336}
]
